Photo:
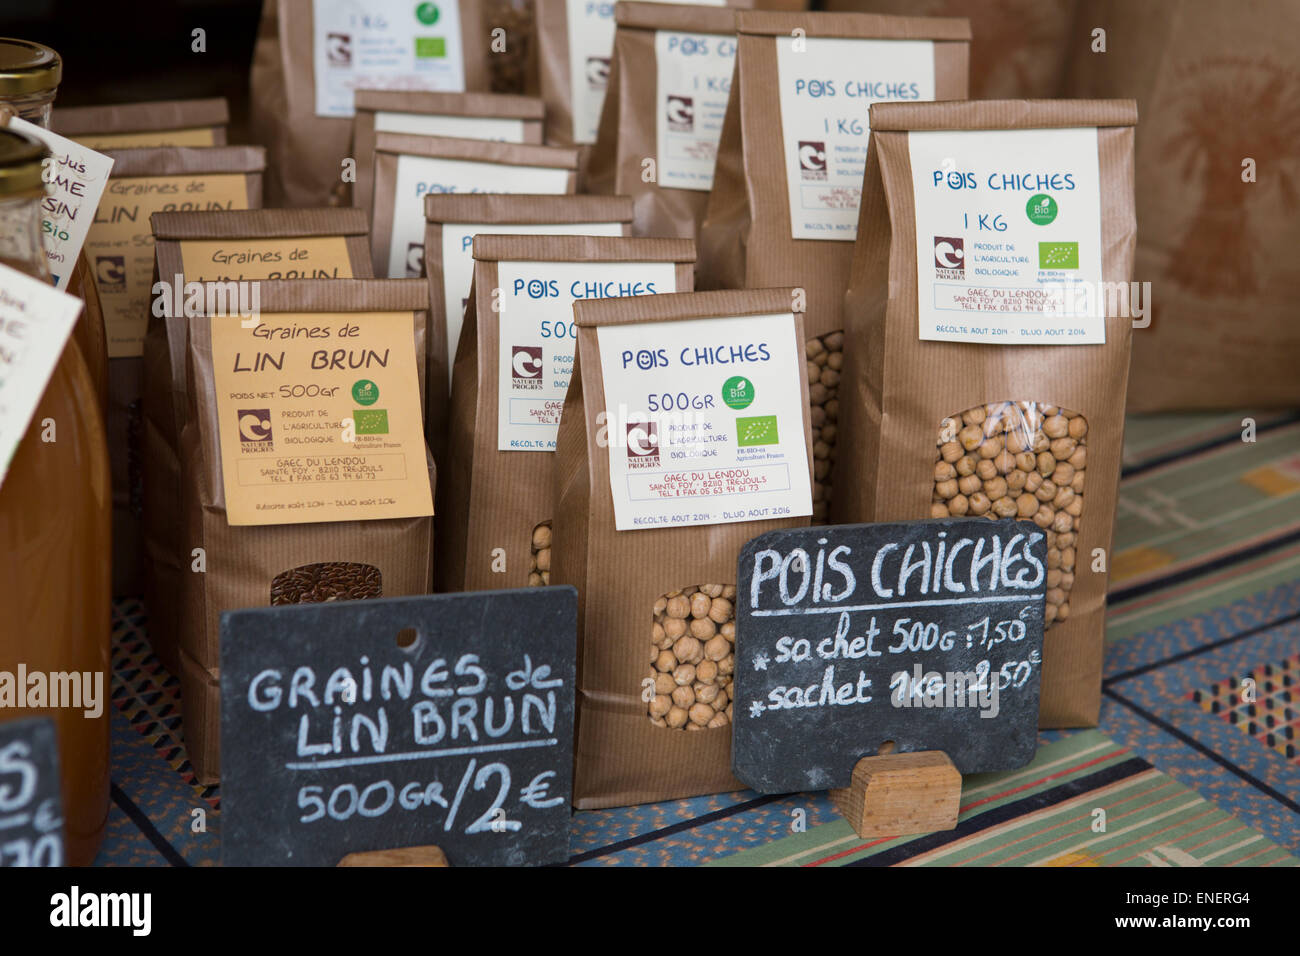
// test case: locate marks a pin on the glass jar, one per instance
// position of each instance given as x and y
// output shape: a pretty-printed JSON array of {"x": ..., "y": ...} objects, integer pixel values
[
  {"x": 29, "y": 78},
  {"x": 55, "y": 507}
]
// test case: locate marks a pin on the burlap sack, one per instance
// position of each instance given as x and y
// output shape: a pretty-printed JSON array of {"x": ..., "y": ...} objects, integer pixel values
[
  {"x": 899, "y": 390},
  {"x": 124, "y": 297},
  {"x": 138, "y": 125},
  {"x": 490, "y": 116},
  {"x": 1217, "y": 86},
  {"x": 307, "y": 149},
  {"x": 745, "y": 239},
  {"x": 492, "y": 501},
  {"x": 461, "y": 217},
  {"x": 1017, "y": 46},
  {"x": 554, "y": 80},
  {"x": 620, "y": 757},
  {"x": 257, "y": 244},
  {"x": 629, "y": 121},
  {"x": 245, "y": 564},
  {"x": 465, "y": 165}
]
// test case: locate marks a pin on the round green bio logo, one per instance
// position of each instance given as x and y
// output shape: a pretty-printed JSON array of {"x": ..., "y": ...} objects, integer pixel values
[
  {"x": 738, "y": 392},
  {"x": 1041, "y": 209},
  {"x": 365, "y": 391},
  {"x": 427, "y": 13}
]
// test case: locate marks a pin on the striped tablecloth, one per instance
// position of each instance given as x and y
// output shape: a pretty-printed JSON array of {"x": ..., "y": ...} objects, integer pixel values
[{"x": 1205, "y": 593}]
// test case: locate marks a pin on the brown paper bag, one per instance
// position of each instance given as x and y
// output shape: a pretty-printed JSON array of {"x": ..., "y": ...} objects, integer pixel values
[
  {"x": 330, "y": 552},
  {"x": 1017, "y": 46},
  {"x": 580, "y": 52},
  {"x": 407, "y": 168},
  {"x": 1216, "y": 87},
  {"x": 512, "y": 367},
  {"x": 137, "y": 125},
  {"x": 982, "y": 398},
  {"x": 451, "y": 222},
  {"x": 304, "y": 116},
  {"x": 489, "y": 116},
  {"x": 670, "y": 77},
  {"x": 204, "y": 247},
  {"x": 120, "y": 249},
  {"x": 747, "y": 235},
  {"x": 633, "y": 745}
]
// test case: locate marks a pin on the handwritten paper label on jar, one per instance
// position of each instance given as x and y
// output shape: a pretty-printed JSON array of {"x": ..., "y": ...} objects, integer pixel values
[
  {"x": 442, "y": 720},
  {"x": 319, "y": 417},
  {"x": 538, "y": 340},
  {"x": 705, "y": 421},
  {"x": 74, "y": 182},
  {"x": 35, "y": 322},
  {"x": 928, "y": 634}
]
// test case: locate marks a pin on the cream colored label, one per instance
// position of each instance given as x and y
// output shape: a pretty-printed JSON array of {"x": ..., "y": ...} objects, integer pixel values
[
  {"x": 120, "y": 244},
  {"x": 314, "y": 257},
  {"x": 319, "y": 417},
  {"x": 195, "y": 136}
]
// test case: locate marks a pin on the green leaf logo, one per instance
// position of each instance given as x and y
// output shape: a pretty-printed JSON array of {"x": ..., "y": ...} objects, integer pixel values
[
  {"x": 760, "y": 430},
  {"x": 1058, "y": 255},
  {"x": 738, "y": 392}
]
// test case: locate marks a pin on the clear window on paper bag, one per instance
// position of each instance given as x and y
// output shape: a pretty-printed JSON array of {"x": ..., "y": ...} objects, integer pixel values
[
  {"x": 692, "y": 658},
  {"x": 327, "y": 581}
]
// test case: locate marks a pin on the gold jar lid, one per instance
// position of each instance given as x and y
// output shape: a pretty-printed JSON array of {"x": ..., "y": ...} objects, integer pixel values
[
  {"x": 21, "y": 157},
  {"x": 27, "y": 67}
]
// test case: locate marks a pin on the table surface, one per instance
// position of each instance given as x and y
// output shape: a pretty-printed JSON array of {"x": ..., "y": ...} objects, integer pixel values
[{"x": 1205, "y": 592}]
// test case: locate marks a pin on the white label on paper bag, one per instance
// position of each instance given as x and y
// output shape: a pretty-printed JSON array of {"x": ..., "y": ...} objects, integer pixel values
[
  {"x": 74, "y": 182},
  {"x": 420, "y": 176},
  {"x": 35, "y": 322},
  {"x": 500, "y": 129},
  {"x": 1008, "y": 236},
  {"x": 825, "y": 93},
  {"x": 458, "y": 260},
  {"x": 693, "y": 84},
  {"x": 384, "y": 45},
  {"x": 705, "y": 421},
  {"x": 537, "y": 339},
  {"x": 590, "y": 28}
]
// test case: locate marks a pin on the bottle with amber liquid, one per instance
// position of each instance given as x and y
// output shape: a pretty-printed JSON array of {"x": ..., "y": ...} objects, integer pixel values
[
  {"x": 54, "y": 533},
  {"x": 29, "y": 80}
]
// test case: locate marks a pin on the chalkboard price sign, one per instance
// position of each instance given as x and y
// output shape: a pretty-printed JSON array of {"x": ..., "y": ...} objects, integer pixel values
[
  {"x": 923, "y": 635},
  {"x": 440, "y": 720},
  {"x": 31, "y": 810}
]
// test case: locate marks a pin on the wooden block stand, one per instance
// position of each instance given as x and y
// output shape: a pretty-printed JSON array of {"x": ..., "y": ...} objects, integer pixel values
[
  {"x": 897, "y": 794},
  {"x": 405, "y": 856}
]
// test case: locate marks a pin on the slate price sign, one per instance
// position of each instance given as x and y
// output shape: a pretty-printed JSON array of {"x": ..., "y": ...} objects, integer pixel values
[
  {"x": 928, "y": 634},
  {"x": 440, "y": 720},
  {"x": 31, "y": 810}
]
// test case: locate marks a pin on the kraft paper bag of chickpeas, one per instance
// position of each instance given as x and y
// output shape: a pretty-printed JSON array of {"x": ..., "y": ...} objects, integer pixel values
[
  {"x": 451, "y": 223},
  {"x": 513, "y": 367},
  {"x": 649, "y": 523},
  {"x": 496, "y": 117},
  {"x": 201, "y": 247},
  {"x": 1217, "y": 247},
  {"x": 296, "y": 413},
  {"x": 408, "y": 167},
  {"x": 669, "y": 82},
  {"x": 783, "y": 209},
  {"x": 575, "y": 43},
  {"x": 140, "y": 125},
  {"x": 985, "y": 358},
  {"x": 120, "y": 249},
  {"x": 311, "y": 55}
]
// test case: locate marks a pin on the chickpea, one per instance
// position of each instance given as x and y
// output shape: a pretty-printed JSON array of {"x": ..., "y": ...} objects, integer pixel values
[
  {"x": 664, "y": 684},
  {"x": 969, "y": 484},
  {"x": 684, "y": 674},
  {"x": 683, "y": 696},
  {"x": 1005, "y": 508},
  {"x": 979, "y": 503},
  {"x": 703, "y": 628},
  {"x": 986, "y": 469},
  {"x": 1026, "y": 505},
  {"x": 1063, "y": 448},
  {"x": 1078, "y": 428},
  {"x": 944, "y": 471},
  {"x": 718, "y": 720},
  {"x": 679, "y": 607},
  {"x": 721, "y": 610},
  {"x": 674, "y": 627},
  {"x": 939, "y": 510},
  {"x": 970, "y": 437},
  {"x": 665, "y": 661},
  {"x": 700, "y": 604},
  {"x": 946, "y": 489},
  {"x": 965, "y": 466},
  {"x": 701, "y": 714},
  {"x": 1056, "y": 427},
  {"x": 717, "y": 648},
  {"x": 676, "y": 717},
  {"x": 687, "y": 648},
  {"x": 706, "y": 671},
  {"x": 996, "y": 488},
  {"x": 1063, "y": 522},
  {"x": 959, "y": 506}
]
